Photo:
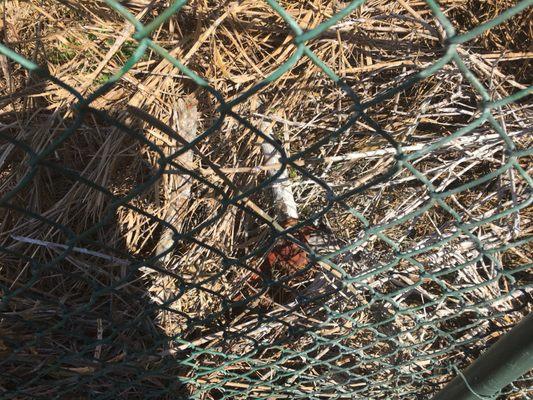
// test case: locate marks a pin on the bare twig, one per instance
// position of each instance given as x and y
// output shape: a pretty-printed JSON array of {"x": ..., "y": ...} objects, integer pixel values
[
  {"x": 281, "y": 187},
  {"x": 178, "y": 187},
  {"x": 51, "y": 245}
]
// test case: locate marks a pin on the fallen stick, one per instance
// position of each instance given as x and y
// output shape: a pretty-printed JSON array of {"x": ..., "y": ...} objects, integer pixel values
[
  {"x": 178, "y": 187},
  {"x": 285, "y": 205},
  {"x": 281, "y": 187},
  {"x": 81, "y": 250},
  {"x": 359, "y": 155}
]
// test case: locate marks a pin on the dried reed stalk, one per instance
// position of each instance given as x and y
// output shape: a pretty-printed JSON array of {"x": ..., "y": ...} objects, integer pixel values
[
  {"x": 176, "y": 185},
  {"x": 284, "y": 201}
]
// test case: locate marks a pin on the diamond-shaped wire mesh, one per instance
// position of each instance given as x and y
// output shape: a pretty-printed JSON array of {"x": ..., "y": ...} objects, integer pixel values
[{"x": 385, "y": 314}]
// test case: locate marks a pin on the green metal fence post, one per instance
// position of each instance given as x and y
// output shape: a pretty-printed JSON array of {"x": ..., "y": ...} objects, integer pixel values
[{"x": 505, "y": 361}]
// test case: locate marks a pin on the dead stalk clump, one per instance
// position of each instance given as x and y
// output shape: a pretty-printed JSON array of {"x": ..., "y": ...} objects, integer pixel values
[{"x": 88, "y": 309}]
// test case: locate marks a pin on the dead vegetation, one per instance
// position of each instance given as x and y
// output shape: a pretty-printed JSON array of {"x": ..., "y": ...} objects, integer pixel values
[{"x": 88, "y": 310}]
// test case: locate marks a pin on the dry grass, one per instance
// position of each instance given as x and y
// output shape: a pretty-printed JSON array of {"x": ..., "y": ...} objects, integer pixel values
[{"x": 77, "y": 322}]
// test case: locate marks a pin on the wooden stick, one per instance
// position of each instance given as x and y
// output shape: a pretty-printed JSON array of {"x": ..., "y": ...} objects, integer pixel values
[
  {"x": 281, "y": 187},
  {"x": 178, "y": 187},
  {"x": 359, "y": 155},
  {"x": 51, "y": 245}
]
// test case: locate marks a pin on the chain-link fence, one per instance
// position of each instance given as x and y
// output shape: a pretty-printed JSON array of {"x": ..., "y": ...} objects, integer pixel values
[{"x": 292, "y": 307}]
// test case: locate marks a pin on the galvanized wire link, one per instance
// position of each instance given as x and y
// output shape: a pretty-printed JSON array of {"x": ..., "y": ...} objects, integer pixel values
[{"x": 291, "y": 373}]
